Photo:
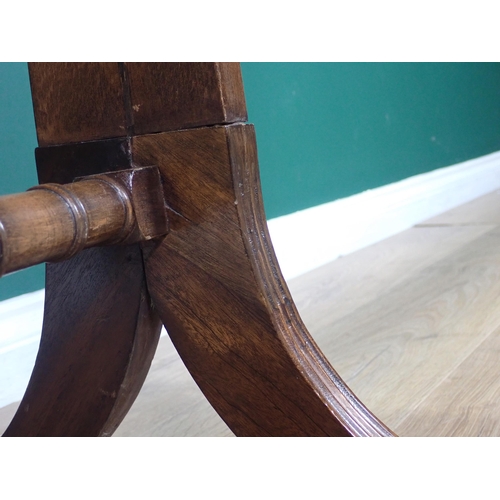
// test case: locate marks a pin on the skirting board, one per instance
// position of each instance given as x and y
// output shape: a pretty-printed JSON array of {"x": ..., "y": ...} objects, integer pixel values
[
  {"x": 303, "y": 241},
  {"x": 313, "y": 237},
  {"x": 20, "y": 326}
]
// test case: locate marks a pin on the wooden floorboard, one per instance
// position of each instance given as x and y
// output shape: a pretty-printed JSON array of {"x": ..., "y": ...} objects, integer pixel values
[
  {"x": 466, "y": 402},
  {"x": 412, "y": 324},
  {"x": 398, "y": 318},
  {"x": 170, "y": 403},
  {"x": 6, "y": 414}
]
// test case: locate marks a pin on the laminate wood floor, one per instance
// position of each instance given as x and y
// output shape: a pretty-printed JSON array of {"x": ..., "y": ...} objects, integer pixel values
[{"x": 412, "y": 324}]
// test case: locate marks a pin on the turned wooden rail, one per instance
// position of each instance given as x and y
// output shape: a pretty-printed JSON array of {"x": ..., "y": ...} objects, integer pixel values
[
  {"x": 54, "y": 222},
  {"x": 188, "y": 247}
]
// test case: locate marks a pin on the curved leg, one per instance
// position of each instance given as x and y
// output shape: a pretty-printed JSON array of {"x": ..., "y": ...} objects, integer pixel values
[
  {"x": 214, "y": 278},
  {"x": 99, "y": 336},
  {"x": 217, "y": 286},
  {"x": 100, "y": 329}
]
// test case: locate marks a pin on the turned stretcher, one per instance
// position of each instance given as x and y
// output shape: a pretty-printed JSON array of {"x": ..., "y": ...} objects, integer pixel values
[{"x": 149, "y": 212}]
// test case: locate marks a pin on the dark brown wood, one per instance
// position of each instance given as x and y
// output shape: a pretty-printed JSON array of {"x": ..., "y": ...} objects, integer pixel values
[
  {"x": 172, "y": 96},
  {"x": 97, "y": 317},
  {"x": 100, "y": 329},
  {"x": 76, "y": 102},
  {"x": 144, "y": 190},
  {"x": 224, "y": 302},
  {"x": 61, "y": 164},
  {"x": 53, "y": 222},
  {"x": 214, "y": 278}
]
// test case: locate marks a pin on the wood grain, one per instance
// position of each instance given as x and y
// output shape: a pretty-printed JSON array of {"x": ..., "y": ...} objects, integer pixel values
[
  {"x": 101, "y": 295},
  {"x": 223, "y": 300},
  {"x": 76, "y": 102},
  {"x": 464, "y": 400},
  {"x": 214, "y": 279},
  {"x": 464, "y": 403},
  {"x": 55, "y": 222},
  {"x": 92, "y": 334},
  {"x": 60, "y": 163},
  {"x": 403, "y": 321},
  {"x": 172, "y": 96},
  {"x": 170, "y": 403},
  {"x": 414, "y": 333},
  {"x": 100, "y": 330}
]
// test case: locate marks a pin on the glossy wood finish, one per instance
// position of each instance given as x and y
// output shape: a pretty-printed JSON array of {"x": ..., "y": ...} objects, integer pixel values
[
  {"x": 100, "y": 329},
  {"x": 53, "y": 222},
  {"x": 76, "y": 102},
  {"x": 99, "y": 336},
  {"x": 224, "y": 302},
  {"x": 213, "y": 279},
  {"x": 410, "y": 323},
  {"x": 184, "y": 95}
]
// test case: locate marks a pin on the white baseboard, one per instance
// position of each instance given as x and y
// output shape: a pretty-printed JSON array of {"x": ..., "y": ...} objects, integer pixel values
[
  {"x": 303, "y": 241},
  {"x": 20, "y": 326},
  {"x": 313, "y": 237},
  {"x": 19, "y": 318}
]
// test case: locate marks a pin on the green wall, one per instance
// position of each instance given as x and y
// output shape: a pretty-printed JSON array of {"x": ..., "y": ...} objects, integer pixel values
[
  {"x": 17, "y": 164},
  {"x": 324, "y": 131}
]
